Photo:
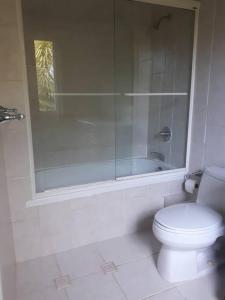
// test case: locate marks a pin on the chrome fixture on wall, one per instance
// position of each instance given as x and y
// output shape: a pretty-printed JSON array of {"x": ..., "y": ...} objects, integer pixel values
[
  {"x": 198, "y": 174},
  {"x": 8, "y": 114},
  {"x": 158, "y": 155},
  {"x": 165, "y": 134}
]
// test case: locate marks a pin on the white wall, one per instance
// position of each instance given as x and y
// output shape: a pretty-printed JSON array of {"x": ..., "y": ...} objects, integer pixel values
[
  {"x": 8, "y": 85},
  {"x": 8, "y": 75},
  {"x": 208, "y": 134},
  {"x": 7, "y": 255}
]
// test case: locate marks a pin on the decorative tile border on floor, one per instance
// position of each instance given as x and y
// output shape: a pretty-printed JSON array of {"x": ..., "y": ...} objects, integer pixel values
[
  {"x": 62, "y": 282},
  {"x": 109, "y": 267}
]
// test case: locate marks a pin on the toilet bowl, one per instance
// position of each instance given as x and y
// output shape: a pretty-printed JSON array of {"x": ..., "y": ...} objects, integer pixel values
[
  {"x": 186, "y": 252},
  {"x": 188, "y": 231}
]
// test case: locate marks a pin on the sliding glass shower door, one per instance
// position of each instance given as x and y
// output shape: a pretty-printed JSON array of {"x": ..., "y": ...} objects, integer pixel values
[
  {"x": 153, "y": 64},
  {"x": 109, "y": 88}
]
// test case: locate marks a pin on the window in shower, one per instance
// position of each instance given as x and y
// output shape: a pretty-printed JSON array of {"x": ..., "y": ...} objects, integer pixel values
[
  {"x": 45, "y": 75},
  {"x": 122, "y": 93}
]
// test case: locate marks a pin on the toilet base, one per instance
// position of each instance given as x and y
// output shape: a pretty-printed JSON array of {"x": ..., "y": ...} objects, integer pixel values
[{"x": 180, "y": 265}]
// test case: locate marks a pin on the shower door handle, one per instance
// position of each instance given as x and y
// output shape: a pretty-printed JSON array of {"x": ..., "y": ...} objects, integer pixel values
[{"x": 166, "y": 134}]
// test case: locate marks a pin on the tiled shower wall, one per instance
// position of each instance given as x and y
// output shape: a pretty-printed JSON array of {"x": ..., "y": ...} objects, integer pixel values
[{"x": 170, "y": 72}]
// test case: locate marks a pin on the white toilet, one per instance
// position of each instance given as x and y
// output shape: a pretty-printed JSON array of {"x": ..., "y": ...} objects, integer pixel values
[{"x": 188, "y": 231}]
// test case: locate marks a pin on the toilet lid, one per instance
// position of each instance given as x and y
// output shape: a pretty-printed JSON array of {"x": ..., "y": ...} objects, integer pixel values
[{"x": 188, "y": 217}]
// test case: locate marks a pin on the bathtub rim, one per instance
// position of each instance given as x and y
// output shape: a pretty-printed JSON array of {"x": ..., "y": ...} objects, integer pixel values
[{"x": 91, "y": 189}]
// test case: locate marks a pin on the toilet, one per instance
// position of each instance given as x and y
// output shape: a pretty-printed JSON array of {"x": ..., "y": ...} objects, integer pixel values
[{"x": 188, "y": 231}]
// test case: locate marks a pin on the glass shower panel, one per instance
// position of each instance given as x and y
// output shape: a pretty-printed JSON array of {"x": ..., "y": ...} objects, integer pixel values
[
  {"x": 109, "y": 88},
  {"x": 153, "y": 64},
  {"x": 70, "y": 65}
]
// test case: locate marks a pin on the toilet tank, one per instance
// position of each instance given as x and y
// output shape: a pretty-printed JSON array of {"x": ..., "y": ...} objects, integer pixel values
[{"x": 212, "y": 189}]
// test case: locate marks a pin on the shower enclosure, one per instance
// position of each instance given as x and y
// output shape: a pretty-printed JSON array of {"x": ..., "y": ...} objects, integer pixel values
[{"x": 109, "y": 88}]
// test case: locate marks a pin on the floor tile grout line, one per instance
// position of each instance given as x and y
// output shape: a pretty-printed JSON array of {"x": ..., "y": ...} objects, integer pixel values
[
  {"x": 84, "y": 276},
  {"x": 147, "y": 297},
  {"x": 59, "y": 268},
  {"x": 119, "y": 286},
  {"x": 38, "y": 290},
  {"x": 101, "y": 255},
  {"x": 67, "y": 295},
  {"x": 78, "y": 277},
  {"x": 58, "y": 265},
  {"x": 161, "y": 292},
  {"x": 137, "y": 259},
  {"x": 179, "y": 292}
]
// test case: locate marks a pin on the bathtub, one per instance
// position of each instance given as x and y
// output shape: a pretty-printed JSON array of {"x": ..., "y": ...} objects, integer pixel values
[{"x": 77, "y": 174}]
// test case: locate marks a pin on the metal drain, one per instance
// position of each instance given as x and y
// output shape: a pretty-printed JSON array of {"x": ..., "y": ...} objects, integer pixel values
[
  {"x": 109, "y": 267},
  {"x": 62, "y": 282}
]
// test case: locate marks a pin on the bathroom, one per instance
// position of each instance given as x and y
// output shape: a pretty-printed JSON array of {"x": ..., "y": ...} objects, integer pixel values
[{"x": 107, "y": 109}]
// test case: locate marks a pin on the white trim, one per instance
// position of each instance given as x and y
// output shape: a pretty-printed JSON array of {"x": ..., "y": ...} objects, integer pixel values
[
  {"x": 80, "y": 191},
  {"x": 155, "y": 94},
  {"x": 186, "y": 4},
  {"x": 192, "y": 92},
  {"x": 26, "y": 98},
  {"x": 117, "y": 94},
  {"x": 85, "y": 94}
]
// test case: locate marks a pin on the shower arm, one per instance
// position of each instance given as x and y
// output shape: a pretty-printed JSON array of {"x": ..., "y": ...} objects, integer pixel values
[{"x": 157, "y": 24}]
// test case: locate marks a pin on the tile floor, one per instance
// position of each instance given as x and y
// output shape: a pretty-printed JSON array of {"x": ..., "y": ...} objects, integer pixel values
[{"x": 118, "y": 269}]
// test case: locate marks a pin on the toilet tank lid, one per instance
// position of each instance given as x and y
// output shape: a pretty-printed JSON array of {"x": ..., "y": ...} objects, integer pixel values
[{"x": 216, "y": 172}]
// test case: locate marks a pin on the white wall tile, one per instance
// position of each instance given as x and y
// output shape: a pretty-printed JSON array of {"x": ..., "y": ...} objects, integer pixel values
[
  {"x": 16, "y": 152},
  {"x": 55, "y": 219},
  {"x": 10, "y": 60},
  {"x": 140, "y": 205},
  {"x": 203, "y": 74},
  {"x": 27, "y": 239},
  {"x": 19, "y": 194},
  {"x": 12, "y": 95},
  {"x": 56, "y": 243},
  {"x": 56, "y": 228},
  {"x": 8, "y": 12},
  {"x": 7, "y": 255},
  {"x": 215, "y": 146}
]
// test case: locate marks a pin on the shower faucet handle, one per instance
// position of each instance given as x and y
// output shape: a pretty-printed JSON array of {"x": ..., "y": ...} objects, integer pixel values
[{"x": 166, "y": 134}]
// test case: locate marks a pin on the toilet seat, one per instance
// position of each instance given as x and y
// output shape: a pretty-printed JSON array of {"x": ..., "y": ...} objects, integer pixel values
[
  {"x": 188, "y": 226},
  {"x": 188, "y": 218}
]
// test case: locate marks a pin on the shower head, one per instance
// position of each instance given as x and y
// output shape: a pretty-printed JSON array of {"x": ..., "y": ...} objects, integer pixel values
[{"x": 157, "y": 24}]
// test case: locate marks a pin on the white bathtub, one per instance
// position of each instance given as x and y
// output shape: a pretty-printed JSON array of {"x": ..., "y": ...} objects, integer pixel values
[{"x": 77, "y": 174}]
